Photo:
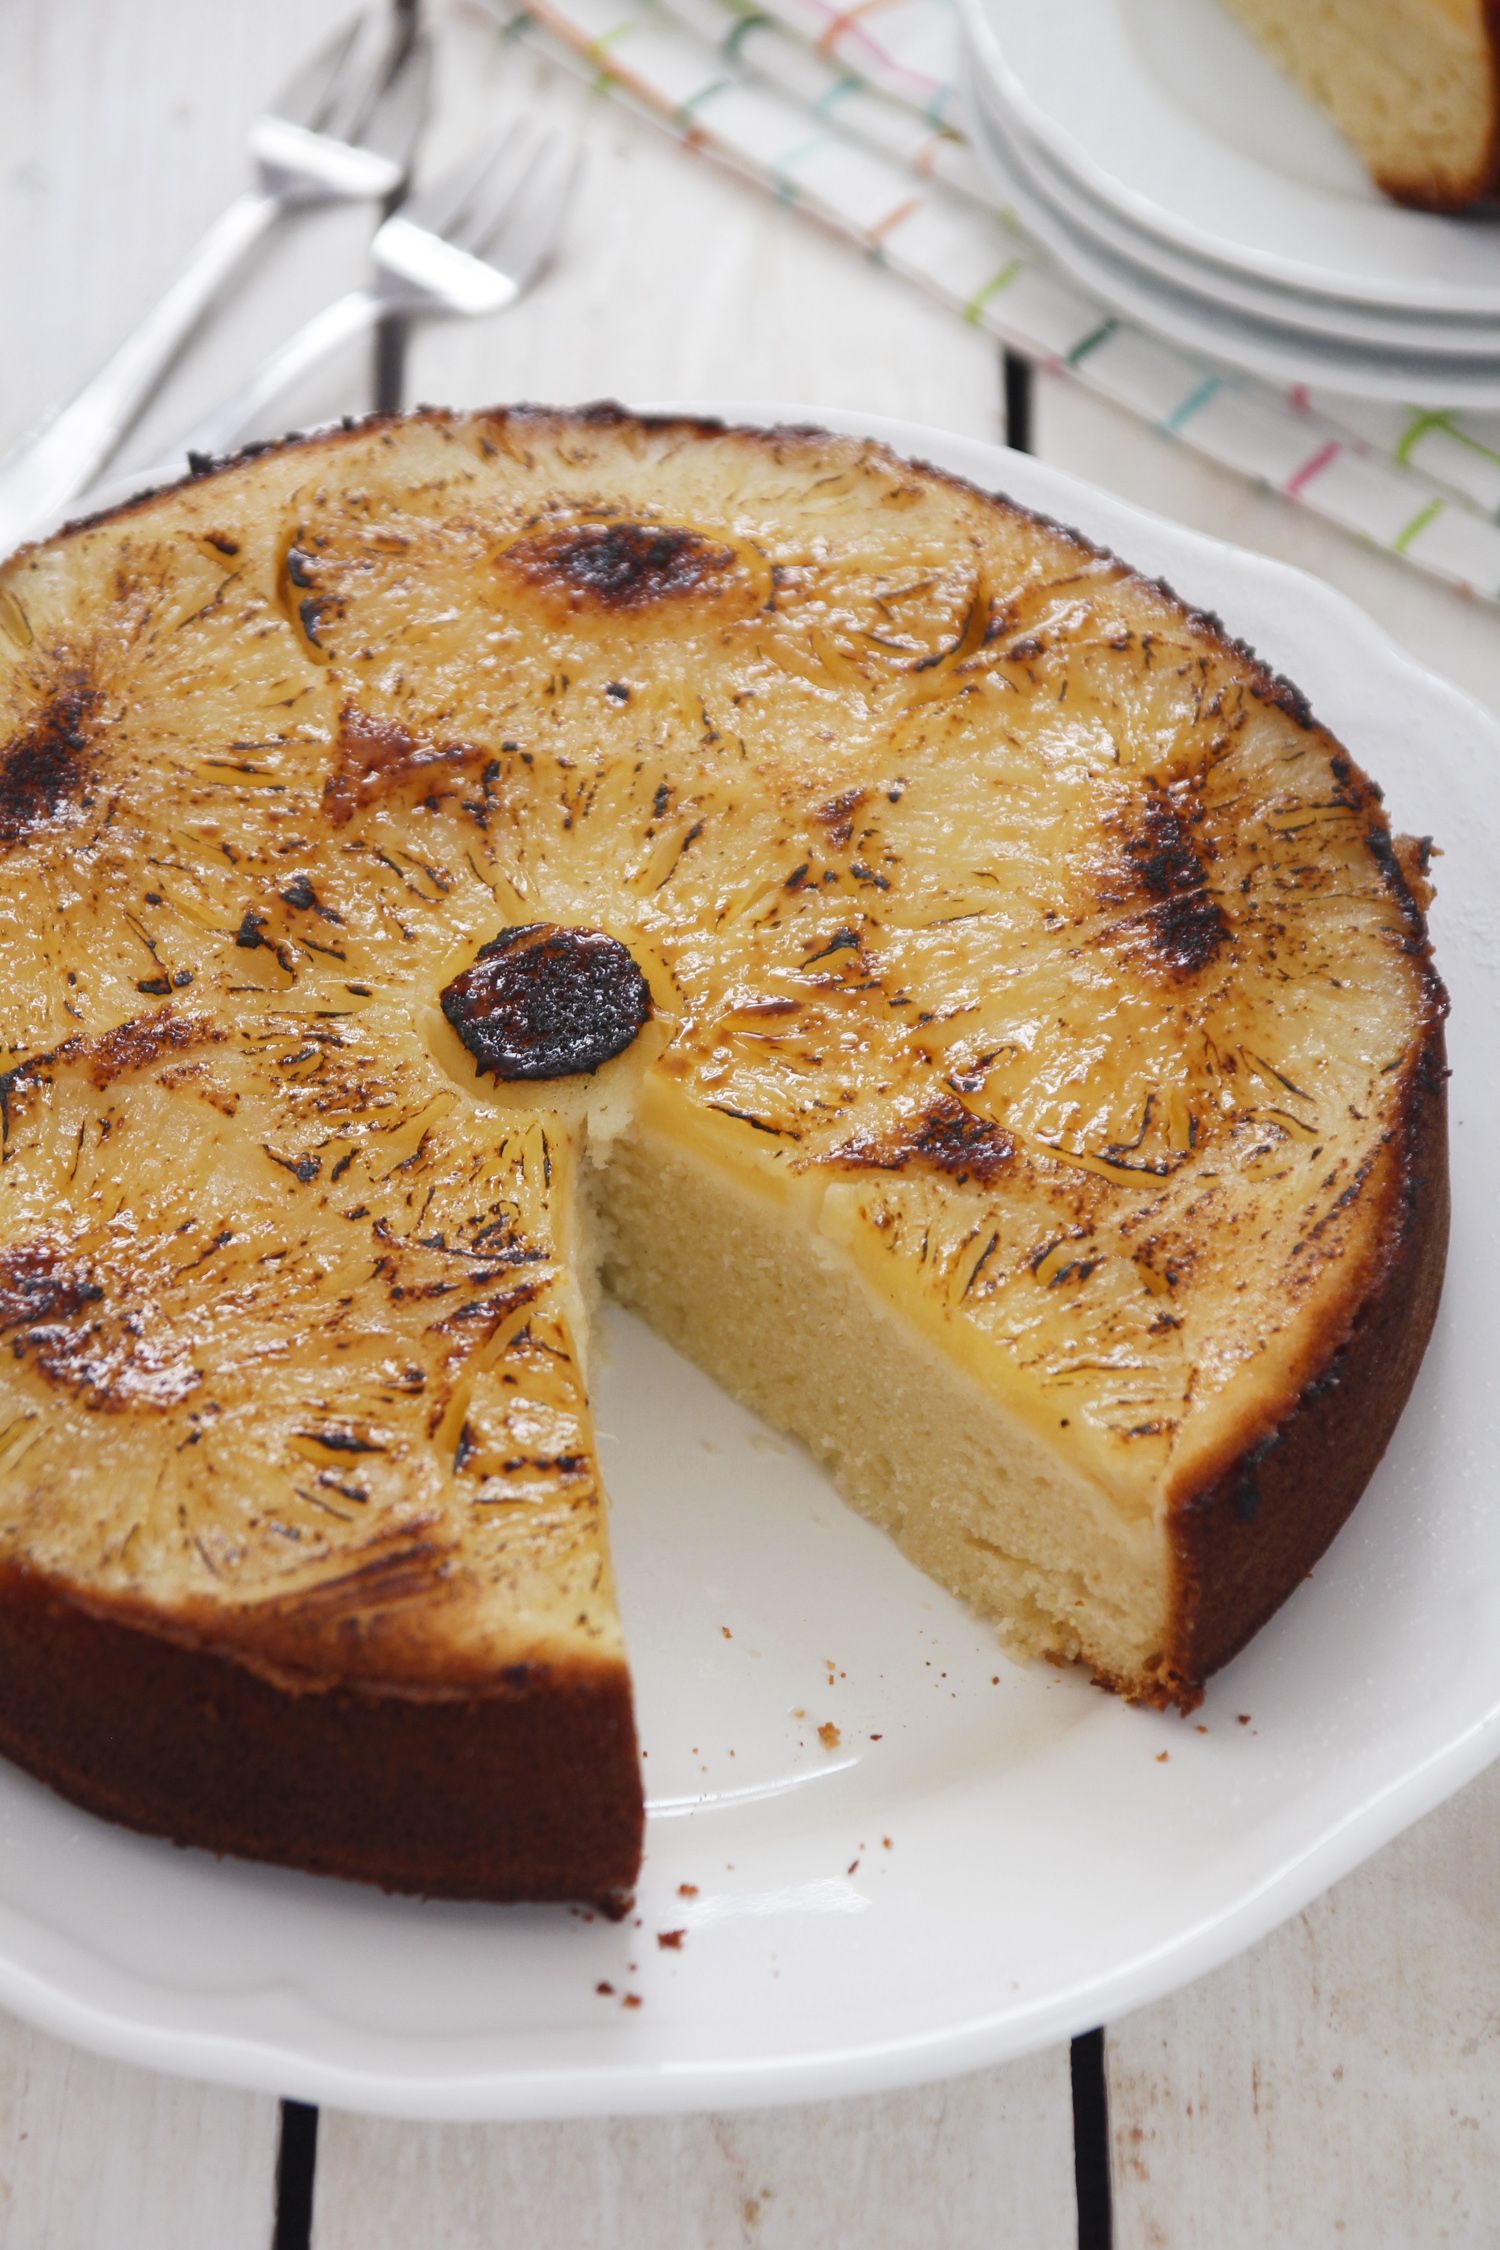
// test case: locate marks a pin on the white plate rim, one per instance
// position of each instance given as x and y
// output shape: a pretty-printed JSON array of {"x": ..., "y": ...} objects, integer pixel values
[
  {"x": 1330, "y": 319},
  {"x": 1178, "y": 227},
  {"x": 1210, "y": 327},
  {"x": 245, "y": 2055}
]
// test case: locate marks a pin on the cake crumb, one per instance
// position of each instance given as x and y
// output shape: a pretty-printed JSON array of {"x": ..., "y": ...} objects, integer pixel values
[
  {"x": 670, "y": 1941},
  {"x": 687, "y": 1890},
  {"x": 852, "y": 1868},
  {"x": 605, "y": 1987},
  {"x": 1200, "y": 1728},
  {"x": 877, "y": 1738},
  {"x": 724, "y": 1629},
  {"x": 829, "y": 1736},
  {"x": 1243, "y": 1717},
  {"x": 631, "y": 2000},
  {"x": 1162, "y": 1757},
  {"x": 885, "y": 1843}
]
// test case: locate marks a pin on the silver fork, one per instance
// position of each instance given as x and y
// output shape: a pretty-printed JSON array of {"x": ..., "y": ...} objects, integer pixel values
[
  {"x": 342, "y": 130},
  {"x": 468, "y": 245}
]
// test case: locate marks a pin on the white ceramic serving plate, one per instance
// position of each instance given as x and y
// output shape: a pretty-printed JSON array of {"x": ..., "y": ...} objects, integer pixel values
[
  {"x": 1208, "y": 325},
  {"x": 1169, "y": 111},
  {"x": 986, "y": 1858},
  {"x": 1337, "y": 320}
]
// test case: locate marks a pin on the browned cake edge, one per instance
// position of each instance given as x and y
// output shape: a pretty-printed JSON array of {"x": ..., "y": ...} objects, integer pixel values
[
  {"x": 530, "y": 1791},
  {"x": 1245, "y": 1540}
]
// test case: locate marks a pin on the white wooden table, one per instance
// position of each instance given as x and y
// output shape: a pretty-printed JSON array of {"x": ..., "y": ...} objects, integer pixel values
[{"x": 1341, "y": 2082}]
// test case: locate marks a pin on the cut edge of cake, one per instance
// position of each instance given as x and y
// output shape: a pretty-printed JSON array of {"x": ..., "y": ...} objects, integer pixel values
[{"x": 968, "y": 1492}]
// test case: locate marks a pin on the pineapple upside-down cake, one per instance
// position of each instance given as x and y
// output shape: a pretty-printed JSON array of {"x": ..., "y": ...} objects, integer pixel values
[{"x": 952, "y": 990}]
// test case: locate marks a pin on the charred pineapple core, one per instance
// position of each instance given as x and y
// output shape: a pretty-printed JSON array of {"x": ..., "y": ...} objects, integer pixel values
[
  {"x": 544, "y": 1002},
  {"x": 1027, "y": 982}
]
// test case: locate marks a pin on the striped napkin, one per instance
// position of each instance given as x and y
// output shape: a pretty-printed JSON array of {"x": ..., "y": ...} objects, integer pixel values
[{"x": 849, "y": 115}]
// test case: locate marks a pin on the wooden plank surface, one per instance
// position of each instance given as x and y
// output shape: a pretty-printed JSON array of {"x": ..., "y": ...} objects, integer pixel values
[
  {"x": 1340, "y": 2083},
  {"x": 97, "y": 2156},
  {"x": 123, "y": 131},
  {"x": 981, "y": 2163}
]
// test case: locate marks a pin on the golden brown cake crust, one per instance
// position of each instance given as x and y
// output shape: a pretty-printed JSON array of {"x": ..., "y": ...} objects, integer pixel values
[
  {"x": 530, "y": 1791},
  {"x": 1245, "y": 1541}
]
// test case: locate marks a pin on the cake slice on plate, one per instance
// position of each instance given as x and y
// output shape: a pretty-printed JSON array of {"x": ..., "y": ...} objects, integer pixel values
[{"x": 1413, "y": 84}]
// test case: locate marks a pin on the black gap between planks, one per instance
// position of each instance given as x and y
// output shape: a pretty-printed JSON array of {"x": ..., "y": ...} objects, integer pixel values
[
  {"x": 1091, "y": 2180},
  {"x": 296, "y": 2163},
  {"x": 389, "y": 371},
  {"x": 1017, "y": 377},
  {"x": 1091, "y": 2143}
]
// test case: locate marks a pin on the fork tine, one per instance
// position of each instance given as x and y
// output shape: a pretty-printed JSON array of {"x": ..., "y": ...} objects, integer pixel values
[
  {"x": 391, "y": 123},
  {"x": 367, "y": 72},
  {"x": 307, "y": 93},
  {"x": 438, "y": 206},
  {"x": 522, "y": 239},
  {"x": 498, "y": 187}
]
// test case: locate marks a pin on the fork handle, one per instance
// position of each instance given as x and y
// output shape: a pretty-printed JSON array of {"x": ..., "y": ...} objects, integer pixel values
[
  {"x": 45, "y": 471},
  {"x": 336, "y": 324}
]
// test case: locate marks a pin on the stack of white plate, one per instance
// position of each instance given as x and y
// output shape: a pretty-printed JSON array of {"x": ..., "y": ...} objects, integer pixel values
[{"x": 1169, "y": 167}]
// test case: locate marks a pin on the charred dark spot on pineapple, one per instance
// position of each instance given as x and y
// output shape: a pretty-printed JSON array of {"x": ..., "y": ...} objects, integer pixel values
[
  {"x": 301, "y": 604},
  {"x": 620, "y": 566},
  {"x": 44, "y": 770},
  {"x": 138, "y": 1044},
  {"x": 1180, "y": 925},
  {"x": 837, "y": 816},
  {"x": 1403, "y": 862},
  {"x": 302, "y": 1168},
  {"x": 300, "y": 895},
  {"x": 544, "y": 1001},
  {"x": 131, "y": 1046},
  {"x": 944, "y": 1137},
  {"x": 60, "y": 1324},
  {"x": 341, "y": 1440},
  {"x": 377, "y": 757},
  {"x": 39, "y": 1283}
]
